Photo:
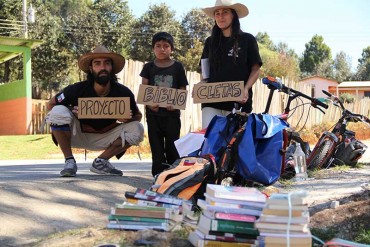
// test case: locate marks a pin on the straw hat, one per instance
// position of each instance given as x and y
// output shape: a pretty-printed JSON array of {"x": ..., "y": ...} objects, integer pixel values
[
  {"x": 101, "y": 51},
  {"x": 240, "y": 9}
]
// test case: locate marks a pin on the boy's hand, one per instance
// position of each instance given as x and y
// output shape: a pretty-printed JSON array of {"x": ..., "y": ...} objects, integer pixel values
[
  {"x": 170, "y": 108},
  {"x": 154, "y": 108}
]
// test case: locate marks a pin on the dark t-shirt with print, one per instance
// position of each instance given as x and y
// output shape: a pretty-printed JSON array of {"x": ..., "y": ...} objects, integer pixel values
[
  {"x": 172, "y": 76},
  {"x": 84, "y": 89},
  {"x": 231, "y": 69}
]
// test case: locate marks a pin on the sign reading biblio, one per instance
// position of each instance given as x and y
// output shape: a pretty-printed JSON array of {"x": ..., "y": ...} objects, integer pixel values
[
  {"x": 104, "y": 107},
  {"x": 162, "y": 96},
  {"x": 218, "y": 91}
]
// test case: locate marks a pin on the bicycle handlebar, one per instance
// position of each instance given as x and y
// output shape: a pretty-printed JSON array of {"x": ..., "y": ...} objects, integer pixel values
[
  {"x": 350, "y": 114},
  {"x": 276, "y": 83}
]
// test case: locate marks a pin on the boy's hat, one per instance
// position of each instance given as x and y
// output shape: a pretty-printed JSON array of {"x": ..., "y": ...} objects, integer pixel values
[
  {"x": 162, "y": 36},
  {"x": 239, "y": 8},
  {"x": 84, "y": 62}
]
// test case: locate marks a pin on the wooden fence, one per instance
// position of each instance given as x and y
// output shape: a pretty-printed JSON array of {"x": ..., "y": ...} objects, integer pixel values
[{"x": 191, "y": 116}]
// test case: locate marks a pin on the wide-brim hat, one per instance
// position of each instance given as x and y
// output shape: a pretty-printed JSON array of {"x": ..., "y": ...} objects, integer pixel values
[
  {"x": 239, "y": 8},
  {"x": 84, "y": 62}
]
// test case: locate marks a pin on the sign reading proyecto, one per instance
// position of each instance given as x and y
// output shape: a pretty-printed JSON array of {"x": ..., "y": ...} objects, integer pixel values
[
  {"x": 162, "y": 96},
  {"x": 101, "y": 107},
  {"x": 218, "y": 91}
]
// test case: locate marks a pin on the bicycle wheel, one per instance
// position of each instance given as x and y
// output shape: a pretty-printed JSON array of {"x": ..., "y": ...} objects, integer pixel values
[{"x": 320, "y": 156}]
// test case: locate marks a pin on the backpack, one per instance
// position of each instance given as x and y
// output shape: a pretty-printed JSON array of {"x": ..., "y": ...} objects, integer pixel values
[
  {"x": 260, "y": 149},
  {"x": 186, "y": 178}
]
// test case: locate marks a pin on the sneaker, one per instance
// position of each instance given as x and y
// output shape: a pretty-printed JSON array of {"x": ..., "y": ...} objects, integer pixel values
[
  {"x": 101, "y": 166},
  {"x": 70, "y": 169}
]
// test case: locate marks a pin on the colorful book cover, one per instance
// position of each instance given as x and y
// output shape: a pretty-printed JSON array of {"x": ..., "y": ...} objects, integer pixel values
[
  {"x": 230, "y": 216},
  {"x": 213, "y": 209},
  {"x": 206, "y": 224},
  {"x": 235, "y": 192},
  {"x": 118, "y": 218},
  {"x": 196, "y": 241},
  {"x": 226, "y": 237},
  {"x": 154, "y": 196},
  {"x": 215, "y": 201}
]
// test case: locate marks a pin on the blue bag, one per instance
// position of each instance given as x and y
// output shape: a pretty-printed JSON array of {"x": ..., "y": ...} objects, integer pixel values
[
  {"x": 218, "y": 135},
  {"x": 259, "y": 151}
]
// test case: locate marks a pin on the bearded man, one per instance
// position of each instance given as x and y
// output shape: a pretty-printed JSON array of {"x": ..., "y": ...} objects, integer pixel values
[{"x": 112, "y": 136}]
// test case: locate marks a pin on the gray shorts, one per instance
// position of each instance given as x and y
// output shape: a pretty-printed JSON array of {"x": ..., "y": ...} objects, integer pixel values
[{"x": 131, "y": 133}]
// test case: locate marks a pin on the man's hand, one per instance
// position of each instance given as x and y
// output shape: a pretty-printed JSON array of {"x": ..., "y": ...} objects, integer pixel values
[
  {"x": 75, "y": 111},
  {"x": 126, "y": 120}
]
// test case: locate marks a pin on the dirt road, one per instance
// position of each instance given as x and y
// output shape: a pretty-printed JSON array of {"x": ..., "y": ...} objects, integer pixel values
[{"x": 35, "y": 202}]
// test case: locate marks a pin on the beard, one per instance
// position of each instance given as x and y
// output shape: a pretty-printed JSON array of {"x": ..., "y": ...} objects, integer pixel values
[{"x": 102, "y": 79}]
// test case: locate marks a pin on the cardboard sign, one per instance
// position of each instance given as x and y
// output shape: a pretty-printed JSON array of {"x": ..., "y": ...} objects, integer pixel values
[
  {"x": 162, "y": 96},
  {"x": 218, "y": 91},
  {"x": 104, "y": 107}
]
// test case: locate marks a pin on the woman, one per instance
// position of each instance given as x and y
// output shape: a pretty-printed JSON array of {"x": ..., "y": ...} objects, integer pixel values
[{"x": 232, "y": 55}]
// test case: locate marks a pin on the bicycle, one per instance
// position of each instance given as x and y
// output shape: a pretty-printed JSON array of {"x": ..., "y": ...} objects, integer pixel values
[
  {"x": 227, "y": 173},
  {"x": 339, "y": 146}
]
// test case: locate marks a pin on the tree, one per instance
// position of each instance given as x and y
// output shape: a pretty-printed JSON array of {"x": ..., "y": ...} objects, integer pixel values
[
  {"x": 342, "y": 67},
  {"x": 316, "y": 52},
  {"x": 264, "y": 38},
  {"x": 191, "y": 58},
  {"x": 115, "y": 20},
  {"x": 197, "y": 27},
  {"x": 157, "y": 18},
  {"x": 363, "y": 69}
]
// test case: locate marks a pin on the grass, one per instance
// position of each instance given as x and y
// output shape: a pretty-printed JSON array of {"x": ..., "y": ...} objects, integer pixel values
[{"x": 34, "y": 147}]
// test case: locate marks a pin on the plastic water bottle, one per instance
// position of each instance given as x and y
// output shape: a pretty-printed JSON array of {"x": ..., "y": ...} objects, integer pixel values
[{"x": 299, "y": 163}]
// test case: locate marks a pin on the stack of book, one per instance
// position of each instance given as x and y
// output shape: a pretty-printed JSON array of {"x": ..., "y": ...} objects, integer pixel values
[
  {"x": 284, "y": 221},
  {"x": 145, "y": 209},
  {"x": 228, "y": 216}
]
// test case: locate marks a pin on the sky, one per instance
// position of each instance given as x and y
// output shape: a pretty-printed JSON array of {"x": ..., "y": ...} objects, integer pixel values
[{"x": 344, "y": 24}]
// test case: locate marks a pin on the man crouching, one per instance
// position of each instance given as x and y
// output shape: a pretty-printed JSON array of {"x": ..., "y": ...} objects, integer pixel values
[{"x": 114, "y": 136}]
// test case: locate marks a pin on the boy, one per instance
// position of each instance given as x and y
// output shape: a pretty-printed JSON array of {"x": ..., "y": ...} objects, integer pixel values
[{"x": 163, "y": 123}]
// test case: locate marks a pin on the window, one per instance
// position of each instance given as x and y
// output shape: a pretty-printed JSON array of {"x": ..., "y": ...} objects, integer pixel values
[
  {"x": 313, "y": 90},
  {"x": 367, "y": 94}
]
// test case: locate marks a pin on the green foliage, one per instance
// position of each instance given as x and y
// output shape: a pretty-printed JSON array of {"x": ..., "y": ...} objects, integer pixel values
[
  {"x": 342, "y": 67},
  {"x": 158, "y": 18},
  {"x": 316, "y": 52},
  {"x": 347, "y": 97},
  {"x": 264, "y": 38},
  {"x": 191, "y": 58},
  {"x": 325, "y": 234},
  {"x": 363, "y": 237},
  {"x": 278, "y": 64},
  {"x": 363, "y": 69}
]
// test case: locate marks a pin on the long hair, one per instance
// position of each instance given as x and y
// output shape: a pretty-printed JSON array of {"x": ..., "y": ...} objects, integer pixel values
[{"x": 215, "y": 53}]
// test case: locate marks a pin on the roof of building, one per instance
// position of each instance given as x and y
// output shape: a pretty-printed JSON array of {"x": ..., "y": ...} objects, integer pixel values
[
  {"x": 7, "y": 54},
  {"x": 316, "y": 76},
  {"x": 354, "y": 84}
]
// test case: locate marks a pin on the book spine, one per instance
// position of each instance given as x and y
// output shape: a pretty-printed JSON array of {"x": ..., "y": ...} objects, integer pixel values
[
  {"x": 134, "y": 218},
  {"x": 236, "y": 217},
  {"x": 232, "y": 226},
  {"x": 141, "y": 202}
]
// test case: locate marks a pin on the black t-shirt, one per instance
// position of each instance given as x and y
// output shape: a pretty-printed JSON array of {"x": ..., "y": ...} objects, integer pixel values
[
  {"x": 231, "y": 69},
  {"x": 172, "y": 76},
  {"x": 84, "y": 89}
]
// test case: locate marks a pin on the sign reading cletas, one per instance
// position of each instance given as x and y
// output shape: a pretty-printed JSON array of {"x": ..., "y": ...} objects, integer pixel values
[
  {"x": 162, "y": 96},
  {"x": 104, "y": 107},
  {"x": 218, "y": 91}
]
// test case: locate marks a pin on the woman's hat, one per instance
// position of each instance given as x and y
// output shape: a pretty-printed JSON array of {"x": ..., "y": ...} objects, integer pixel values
[
  {"x": 239, "y": 8},
  {"x": 101, "y": 51}
]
